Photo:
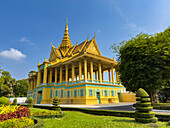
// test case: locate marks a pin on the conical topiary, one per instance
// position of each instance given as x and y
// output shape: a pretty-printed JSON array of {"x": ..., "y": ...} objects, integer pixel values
[
  {"x": 143, "y": 108},
  {"x": 56, "y": 104}
]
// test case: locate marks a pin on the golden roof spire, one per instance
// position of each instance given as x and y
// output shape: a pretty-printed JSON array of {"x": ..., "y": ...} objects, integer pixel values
[{"x": 66, "y": 43}]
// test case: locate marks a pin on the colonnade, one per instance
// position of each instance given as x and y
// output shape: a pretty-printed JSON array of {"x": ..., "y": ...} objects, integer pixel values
[
  {"x": 32, "y": 83},
  {"x": 63, "y": 73}
]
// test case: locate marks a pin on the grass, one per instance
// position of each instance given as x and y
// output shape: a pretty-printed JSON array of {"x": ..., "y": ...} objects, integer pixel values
[{"x": 81, "y": 120}]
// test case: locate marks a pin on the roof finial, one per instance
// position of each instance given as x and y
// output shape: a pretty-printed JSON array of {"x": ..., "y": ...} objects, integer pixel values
[
  {"x": 45, "y": 60},
  {"x": 87, "y": 37},
  {"x": 94, "y": 35},
  {"x": 51, "y": 44},
  {"x": 66, "y": 21},
  {"x": 39, "y": 63}
]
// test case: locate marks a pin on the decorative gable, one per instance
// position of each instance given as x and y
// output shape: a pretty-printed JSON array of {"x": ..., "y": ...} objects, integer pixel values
[
  {"x": 53, "y": 55},
  {"x": 93, "y": 48}
]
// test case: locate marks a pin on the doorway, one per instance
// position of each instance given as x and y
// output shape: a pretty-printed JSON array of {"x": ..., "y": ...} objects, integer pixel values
[
  {"x": 118, "y": 96},
  {"x": 39, "y": 97},
  {"x": 98, "y": 97}
]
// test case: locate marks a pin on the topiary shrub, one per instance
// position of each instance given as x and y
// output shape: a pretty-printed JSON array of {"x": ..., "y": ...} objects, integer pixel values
[
  {"x": 143, "y": 108},
  {"x": 4, "y": 101},
  {"x": 15, "y": 102},
  {"x": 30, "y": 102},
  {"x": 56, "y": 104}
]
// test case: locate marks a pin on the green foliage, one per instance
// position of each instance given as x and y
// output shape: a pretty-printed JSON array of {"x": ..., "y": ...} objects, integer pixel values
[
  {"x": 21, "y": 85},
  {"x": 30, "y": 102},
  {"x": 161, "y": 106},
  {"x": 56, "y": 104},
  {"x": 145, "y": 62},
  {"x": 15, "y": 102},
  {"x": 4, "y": 101},
  {"x": 6, "y": 84},
  {"x": 143, "y": 99},
  {"x": 50, "y": 116},
  {"x": 31, "y": 73},
  {"x": 143, "y": 112},
  {"x": 17, "y": 123},
  {"x": 146, "y": 104},
  {"x": 141, "y": 93},
  {"x": 39, "y": 123}
]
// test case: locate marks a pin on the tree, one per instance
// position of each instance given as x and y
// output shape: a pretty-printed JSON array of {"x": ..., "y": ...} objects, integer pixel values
[
  {"x": 144, "y": 62},
  {"x": 31, "y": 73},
  {"x": 5, "y": 84},
  {"x": 21, "y": 85}
]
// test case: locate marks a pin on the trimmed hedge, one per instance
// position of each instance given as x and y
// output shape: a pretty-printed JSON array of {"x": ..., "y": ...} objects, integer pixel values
[
  {"x": 143, "y": 99},
  {"x": 145, "y": 115},
  {"x": 4, "y": 101},
  {"x": 143, "y": 112},
  {"x": 146, "y": 104},
  {"x": 50, "y": 116},
  {"x": 144, "y": 109},
  {"x": 131, "y": 114},
  {"x": 15, "y": 102},
  {"x": 162, "y": 106},
  {"x": 30, "y": 102},
  {"x": 102, "y": 112},
  {"x": 146, "y": 120},
  {"x": 163, "y": 117},
  {"x": 39, "y": 123},
  {"x": 141, "y": 93}
]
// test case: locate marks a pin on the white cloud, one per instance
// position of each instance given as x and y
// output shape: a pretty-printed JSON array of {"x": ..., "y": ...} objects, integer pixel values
[
  {"x": 12, "y": 54},
  {"x": 133, "y": 27},
  {"x": 98, "y": 31},
  {"x": 25, "y": 40}
]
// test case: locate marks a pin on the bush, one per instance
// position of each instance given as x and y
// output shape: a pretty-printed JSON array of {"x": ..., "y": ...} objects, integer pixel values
[
  {"x": 17, "y": 123},
  {"x": 51, "y": 116},
  {"x": 45, "y": 112},
  {"x": 4, "y": 101},
  {"x": 20, "y": 112},
  {"x": 161, "y": 106},
  {"x": 146, "y": 104},
  {"x": 141, "y": 93},
  {"x": 39, "y": 123},
  {"x": 56, "y": 104},
  {"x": 30, "y": 102},
  {"x": 143, "y": 112},
  {"x": 15, "y": 102}
]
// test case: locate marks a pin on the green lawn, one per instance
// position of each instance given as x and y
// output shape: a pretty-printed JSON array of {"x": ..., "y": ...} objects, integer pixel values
[{"x": 81, "y": 120}]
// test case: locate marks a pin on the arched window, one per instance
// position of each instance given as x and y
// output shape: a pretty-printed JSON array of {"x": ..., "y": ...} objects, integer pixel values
[
  {"x": 112, "y": 92},
  {"x": 90, "y": 92},
  {"x": 61, "y": 93},
  {"x": 75, "y": 93},
  {"x": 51, "y": 93},
  {"x": 81, "y": 92},
  {"x": 105, "y": 92},
  {"x": 68, "y": 93},
  {"x": 56, "y": 94}
]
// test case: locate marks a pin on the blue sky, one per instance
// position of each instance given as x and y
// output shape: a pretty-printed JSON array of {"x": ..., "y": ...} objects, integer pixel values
[{"x": 27, "y": 27}]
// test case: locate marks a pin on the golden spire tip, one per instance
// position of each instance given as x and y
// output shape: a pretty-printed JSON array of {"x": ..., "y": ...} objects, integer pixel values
[{"x": 46, "y": 60}]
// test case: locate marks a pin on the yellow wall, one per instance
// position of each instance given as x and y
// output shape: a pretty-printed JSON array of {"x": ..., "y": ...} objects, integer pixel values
[
  {"x": 85, "y": 99},
  {"x": 128, "y": 97}
]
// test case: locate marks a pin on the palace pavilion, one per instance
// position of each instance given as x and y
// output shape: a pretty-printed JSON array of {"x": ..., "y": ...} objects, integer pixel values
[{"x": 76, "y": 75}]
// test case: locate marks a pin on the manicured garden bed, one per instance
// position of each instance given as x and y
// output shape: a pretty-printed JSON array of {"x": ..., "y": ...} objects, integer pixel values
[{"x": 74, "y": 119}]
